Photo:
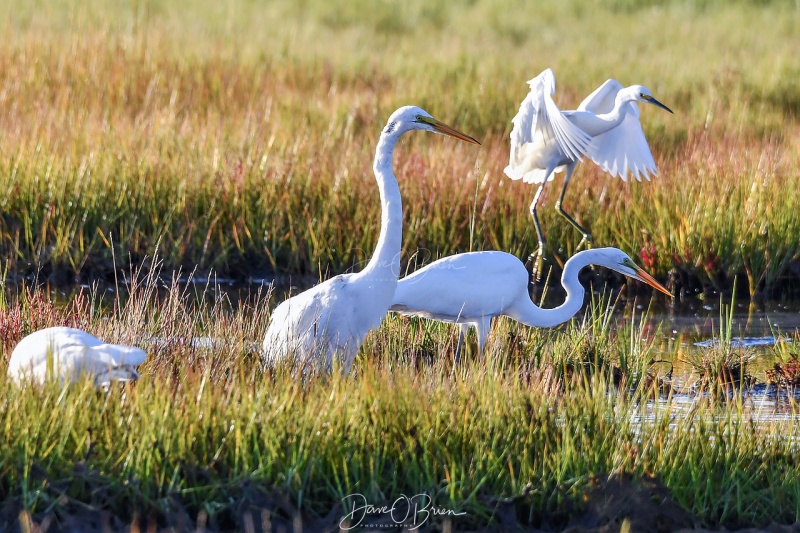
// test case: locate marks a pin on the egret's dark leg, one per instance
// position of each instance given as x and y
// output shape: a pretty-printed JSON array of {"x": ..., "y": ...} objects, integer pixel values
[
  {"x": 587, "y": 237},
  {"x": 539, "y": 253}
]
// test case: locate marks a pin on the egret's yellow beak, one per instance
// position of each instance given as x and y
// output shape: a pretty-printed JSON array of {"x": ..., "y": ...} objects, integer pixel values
[
  {"x": 651, "y": 100},
  {"x": 443, "y": 128},
  {"x": 641, "y": 275}
]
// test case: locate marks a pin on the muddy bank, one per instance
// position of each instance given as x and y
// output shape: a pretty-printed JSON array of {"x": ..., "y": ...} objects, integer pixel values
[{"x": 607, "y": 505}]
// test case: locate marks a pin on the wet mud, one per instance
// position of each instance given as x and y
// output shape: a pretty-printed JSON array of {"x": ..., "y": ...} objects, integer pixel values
[{"x": 610, "y": 504}]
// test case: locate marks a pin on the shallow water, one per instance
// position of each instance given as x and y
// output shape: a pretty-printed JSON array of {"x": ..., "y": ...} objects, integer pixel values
[
  {"x": 758, "y": 332},
  {"x": 678, "y": 329},
  {"x": 750, "y": 322},
  {"x": 694, "y": 320},
  {"x": 689, "y": 322},
  {"x": 775, "y": 415}
]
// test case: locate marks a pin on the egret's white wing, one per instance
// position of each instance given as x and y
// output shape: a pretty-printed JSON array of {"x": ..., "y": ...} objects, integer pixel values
[
  {"x": 622, "y": 149},
  {"x": 523, "y": 133},
  {"x": 295, "y": 326},
  {"x": 461, "y": 287},
  {"x": 573, "y": 141},
  {"x": 522, "y": 140},
  {"x": 540, "y": 120},
  {"x": 602, "y": 99},
  {"x": 314, "y": 326}
]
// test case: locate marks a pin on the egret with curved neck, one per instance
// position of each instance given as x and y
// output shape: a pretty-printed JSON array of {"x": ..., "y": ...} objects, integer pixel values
[
  {"x": 605, "y": 128},
  {"x": 332, "y": 318},
  {"x": 472, "y": 288},
  {"x": 66, "y": 354}
]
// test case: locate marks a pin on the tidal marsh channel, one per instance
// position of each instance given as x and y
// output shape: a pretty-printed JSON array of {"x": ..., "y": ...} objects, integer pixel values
[{"x": 680, "y": 332}]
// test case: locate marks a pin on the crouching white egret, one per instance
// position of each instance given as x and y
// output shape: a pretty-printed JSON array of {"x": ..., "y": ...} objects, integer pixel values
[
  {"x": 605, "y": 128},
  {"x": 472, "y": 288},
  {"x": 67, "y": 353},
  {"x": 332, "y": 318}
]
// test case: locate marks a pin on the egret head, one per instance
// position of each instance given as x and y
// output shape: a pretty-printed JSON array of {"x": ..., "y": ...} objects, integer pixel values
[
  {"x": 414, "y": 118},
  {"x": 618, "y": 260},
  {"x": 643, "y": 94}
]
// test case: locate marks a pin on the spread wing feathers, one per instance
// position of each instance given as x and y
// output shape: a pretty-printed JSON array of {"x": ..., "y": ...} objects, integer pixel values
[
  {"x": 622, "y": 149},
  {"x": 538, "y": 113},
  {"x": 572, "y": 140},
  {"x": 602, "y": 99}
]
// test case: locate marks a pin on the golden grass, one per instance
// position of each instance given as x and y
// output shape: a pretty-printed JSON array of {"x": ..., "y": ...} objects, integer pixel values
[{"x": 248, "y": 150}]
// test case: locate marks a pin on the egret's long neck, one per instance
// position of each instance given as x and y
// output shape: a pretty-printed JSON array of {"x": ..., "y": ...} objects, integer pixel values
[
  {"x": 547, "y": 318},
  {"x": 385, "y": 262},
  {"x": 615, "y": 117}
]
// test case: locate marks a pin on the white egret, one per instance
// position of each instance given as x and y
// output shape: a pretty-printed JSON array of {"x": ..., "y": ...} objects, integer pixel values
[
  {"x": 67, "y": 353},
  {"x": 605, "y": 128},
  {"x": 333, "y": 317},
  {"x": 470, "y": 289}
]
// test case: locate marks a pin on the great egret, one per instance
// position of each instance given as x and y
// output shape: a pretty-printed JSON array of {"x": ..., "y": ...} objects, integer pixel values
[
  {"x": 470, "y": 289},
  {"x": 335, "y": 316},
  {"x": 67, "y": 353},
  {"x": 605, "y": 127}
]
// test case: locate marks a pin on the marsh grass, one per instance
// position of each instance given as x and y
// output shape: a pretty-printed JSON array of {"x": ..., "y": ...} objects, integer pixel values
[
  {"x": 785, "y": 371},
  {"x": 206, "y": 433},
  {"x": 722, "y": 368},
  {"x": 249, "y": 152}
]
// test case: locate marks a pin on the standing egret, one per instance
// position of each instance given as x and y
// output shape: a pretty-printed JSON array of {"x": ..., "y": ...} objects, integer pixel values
[
  {"x": 67, "y": 353},
  {"x": 333, "y": 317},
  {"x": 605, "y": 127},
  {"x": 470, "y": 289}
]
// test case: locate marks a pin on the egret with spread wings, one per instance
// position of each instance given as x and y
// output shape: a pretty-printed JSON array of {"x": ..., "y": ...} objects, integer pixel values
[{"x": 605, "y": 128}]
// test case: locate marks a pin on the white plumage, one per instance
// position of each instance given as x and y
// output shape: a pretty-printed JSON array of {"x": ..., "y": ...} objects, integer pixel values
[
  {"x": 543, "y": 138},
  {"x": 604, "y": 128},
  {"x": 472, "y": 288},
  {"x": 623, "y": 149},
  {"x": 67, "y": 353}
]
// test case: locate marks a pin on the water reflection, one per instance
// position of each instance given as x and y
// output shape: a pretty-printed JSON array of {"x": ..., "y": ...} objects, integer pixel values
[
  {"x": 700, "y": 320},
  {"x": 743, "y": 342},
  {"x": 774, "y": 413}
]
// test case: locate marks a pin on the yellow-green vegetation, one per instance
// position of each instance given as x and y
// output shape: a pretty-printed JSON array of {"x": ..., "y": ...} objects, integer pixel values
[
  {"x": 238, "y": 136},
  {"x": 525, "y": 433}
]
